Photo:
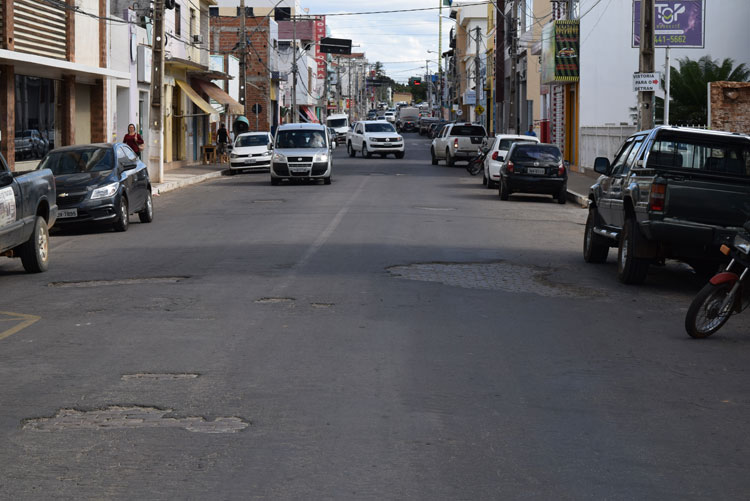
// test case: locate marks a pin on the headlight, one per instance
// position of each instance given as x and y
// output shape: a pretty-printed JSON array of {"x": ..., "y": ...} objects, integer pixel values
[
  {"x": 399, "y": 138},
  {"x": 278, "y": 157},
  {"x": 741, "y": 244},
  {"x": 233, "y": 155},
  {"x": 105, "y": 191},
  {"x": 321, "y": 157}
]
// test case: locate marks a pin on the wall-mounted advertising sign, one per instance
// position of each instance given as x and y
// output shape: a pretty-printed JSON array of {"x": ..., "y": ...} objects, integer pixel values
[
  {"x": 677, "y": 23},
  {"x": 560, "y": 51},
  {"x": 320, "y": 57}
]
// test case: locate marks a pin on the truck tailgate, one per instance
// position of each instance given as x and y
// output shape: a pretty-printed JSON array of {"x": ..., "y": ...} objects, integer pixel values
[{"x": 708, "y": 199}]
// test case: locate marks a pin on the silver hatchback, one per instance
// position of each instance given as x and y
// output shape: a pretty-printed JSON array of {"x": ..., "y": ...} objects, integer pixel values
[{"x": 303, "y": 152}]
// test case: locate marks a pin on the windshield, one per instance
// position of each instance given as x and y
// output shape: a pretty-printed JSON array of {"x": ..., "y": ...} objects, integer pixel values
[
  {"x": 300, "y": 139},
  {"x": 468, "y": 130},
  {"x": 256, "y": 140},
  {"x": 79, "y": 160},
  {"x": 701, "y": 154},
  {"x": 537, "y": 152},
  {"x": 336, "y": 122},
  {"x": 505, "y": 144},
  {"x": 384, "y": 127}
]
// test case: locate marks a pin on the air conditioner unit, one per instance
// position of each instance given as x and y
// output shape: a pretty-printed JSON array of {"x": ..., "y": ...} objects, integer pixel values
[{"x": 197, "y": 38}]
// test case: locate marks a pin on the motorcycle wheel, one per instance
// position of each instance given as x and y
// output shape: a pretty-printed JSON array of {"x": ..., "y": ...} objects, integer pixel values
[{"x": 703, "y": 317}]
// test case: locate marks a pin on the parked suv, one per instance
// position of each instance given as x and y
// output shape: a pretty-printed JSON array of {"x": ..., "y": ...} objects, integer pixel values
[
  {"x": 457, "y": 141},
  {"x": 301, "y": 151},
  {"x": 534, "y": 168},
  {"x": 670, "y": 192}
]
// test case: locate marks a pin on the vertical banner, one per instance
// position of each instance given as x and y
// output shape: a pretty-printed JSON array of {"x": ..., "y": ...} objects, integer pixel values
[
  {"x": 560, "y": 51},
  {"x": 320, "y": 57}
]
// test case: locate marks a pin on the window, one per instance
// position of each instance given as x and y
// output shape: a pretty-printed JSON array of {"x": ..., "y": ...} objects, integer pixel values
[
  {"x": 177, "y": 20},
  {"x": 702, "y": 153},
  {"x": 621, "y": 156},
  {"x": 192, "y": 24},
  {"x": 213, "y": 11}
]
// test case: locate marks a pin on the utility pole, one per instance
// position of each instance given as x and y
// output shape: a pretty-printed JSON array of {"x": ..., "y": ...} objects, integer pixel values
[
  {"x": 156, "y": 126},
  {"x": 243, "y": 59},
  {"x": 512, "y": 109},
  {"x": 428, "y": 81},
  {"x": 477, "y": 82},
  {"x": 349, "y": 92},
  {"x": 646, "y": 64},
  {"x": 338, "y": 84},
  {"x": 500, "y": 66},
  {"x": 440, "y": 56},
  {"x": 294, "y": 68}
]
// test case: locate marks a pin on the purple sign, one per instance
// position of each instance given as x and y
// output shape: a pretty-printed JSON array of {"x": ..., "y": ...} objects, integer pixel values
[{"x": 677, "y": 23}]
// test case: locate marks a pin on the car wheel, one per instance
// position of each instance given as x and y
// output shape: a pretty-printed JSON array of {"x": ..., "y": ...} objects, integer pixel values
[
  {"x": 503, "y": 190},
  {"x": 231, "y": 172},
  {"x": 365, "y": 152},
  {"x": 350, "y": 150},
  {"x": 400, "y": 154},
  {"x": 562, "y": 197},
  {"x": 35, "y": 252},
  {"x": 275, "y": 181},
  {"x": 595, "y": 247},
  {"x": 434, "y": 158},
  {"x": 327, "y": 180},
  {"x": 448, "y": 159},
  {"x": 122, "y": 215},
  {"x": 485, "y": 181},
  {"x": 147, "y": 214},
  {"x": 630, "y": 269}
]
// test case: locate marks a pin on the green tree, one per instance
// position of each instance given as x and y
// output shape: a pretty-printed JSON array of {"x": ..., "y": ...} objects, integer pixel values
[{"x": 689, "y": 88}]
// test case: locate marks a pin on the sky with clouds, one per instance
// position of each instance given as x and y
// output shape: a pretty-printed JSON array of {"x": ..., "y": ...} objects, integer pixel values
[{"x": 400, "y": 40}]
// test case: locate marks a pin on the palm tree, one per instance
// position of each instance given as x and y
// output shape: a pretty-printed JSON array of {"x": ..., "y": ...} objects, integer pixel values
[{"x": 689, "y": 87}]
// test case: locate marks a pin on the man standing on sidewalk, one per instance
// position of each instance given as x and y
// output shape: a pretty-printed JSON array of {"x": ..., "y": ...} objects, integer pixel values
[{"x": 222, "y": 138}]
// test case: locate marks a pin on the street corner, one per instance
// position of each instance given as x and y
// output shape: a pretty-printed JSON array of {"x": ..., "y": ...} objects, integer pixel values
[{"x": 11, "y": 323}]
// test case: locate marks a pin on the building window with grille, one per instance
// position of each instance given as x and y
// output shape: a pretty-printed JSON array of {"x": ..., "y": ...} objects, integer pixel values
[{"x": 177, "y": 20}]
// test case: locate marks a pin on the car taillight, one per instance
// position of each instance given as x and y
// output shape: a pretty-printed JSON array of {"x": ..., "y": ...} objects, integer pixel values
[
  {"x": 510, "y": 166},
  {"x": 494, "y": 156},
  {"x": 455, "y": 143},
  {"x": 657, "y": 196},
  {"x": 561, "y": 170}
]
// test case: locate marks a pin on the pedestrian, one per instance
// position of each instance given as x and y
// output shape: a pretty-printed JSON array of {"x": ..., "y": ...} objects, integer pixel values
[
  {"x": 531, "y": 132},
  {"x": 222, "y": 138},
  {"x": 134, "y": 140}
]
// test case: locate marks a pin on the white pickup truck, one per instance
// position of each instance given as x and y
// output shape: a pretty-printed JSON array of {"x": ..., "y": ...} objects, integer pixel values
[
  {"x": 374, "y": 137},
  {"x": 457, "y": 141}
]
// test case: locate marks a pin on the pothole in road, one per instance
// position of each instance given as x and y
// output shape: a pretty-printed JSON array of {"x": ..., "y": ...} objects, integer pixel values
[
  {"x": 123, "y": 281},
  {"x": 275, "y": 300},
  {"x": 149, "y": 376},
  {"x": 497, "y": 275},
  {"x": 131, "y": 417}
]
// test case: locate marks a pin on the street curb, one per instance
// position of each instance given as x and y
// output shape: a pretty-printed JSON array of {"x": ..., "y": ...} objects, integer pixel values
[
  {"x": 158, "y": 189},
  {"x": 578, "y": 198}
]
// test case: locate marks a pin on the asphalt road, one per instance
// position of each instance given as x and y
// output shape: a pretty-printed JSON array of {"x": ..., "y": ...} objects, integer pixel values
[{"x": 400, "y": 334}]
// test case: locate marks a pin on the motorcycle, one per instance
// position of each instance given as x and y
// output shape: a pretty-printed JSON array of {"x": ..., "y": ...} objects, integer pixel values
[
  {"x": 725, "y": 294},
  {"x": 476, "y": 164}
]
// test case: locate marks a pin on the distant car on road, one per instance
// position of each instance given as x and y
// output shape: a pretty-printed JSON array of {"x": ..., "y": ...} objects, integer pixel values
[
  {"x": 390, "y": 116},
  {"x": 496, "y": 156},
  {"x": 534, "y": 168},
  {"x": 374, "y": 137},
  {"x": 250, "y": 152},
  {"x": 100, "y": 184}
]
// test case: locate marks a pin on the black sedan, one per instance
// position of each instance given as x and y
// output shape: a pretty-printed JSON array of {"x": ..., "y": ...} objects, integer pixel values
[
  {"x": 100, "y": 184},
  {"x": 534, "y": 168}
]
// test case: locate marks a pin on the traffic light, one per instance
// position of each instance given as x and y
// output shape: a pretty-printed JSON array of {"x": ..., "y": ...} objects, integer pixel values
[{"x": 415, "y": 81}]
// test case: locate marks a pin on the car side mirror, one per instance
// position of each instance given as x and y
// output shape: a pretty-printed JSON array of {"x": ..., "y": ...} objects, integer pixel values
[
  {"x": 270, "y": 146},
  {"x": 5, "y": 178},
  {"x": 601, "y": 165},
  {"x": 333, "y": 144}
]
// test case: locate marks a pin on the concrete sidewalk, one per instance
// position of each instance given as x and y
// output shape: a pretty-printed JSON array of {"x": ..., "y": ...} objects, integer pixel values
[
  {"x": 185, "y": 176},
  {"x": 579, "y": 184}
]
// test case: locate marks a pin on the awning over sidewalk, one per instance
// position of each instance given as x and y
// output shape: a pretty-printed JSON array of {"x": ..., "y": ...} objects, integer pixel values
[
  {"x": 194, "y": 97},
  {"x": 220, "y": 96}
]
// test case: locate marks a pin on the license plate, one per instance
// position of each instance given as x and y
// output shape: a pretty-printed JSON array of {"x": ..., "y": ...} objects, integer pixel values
[
  {"x": 63, "y": 213},
  {"x": 535, "y": 170},
  {"x": 249, "y": 160},
  {"x": 299, "y": 169}
]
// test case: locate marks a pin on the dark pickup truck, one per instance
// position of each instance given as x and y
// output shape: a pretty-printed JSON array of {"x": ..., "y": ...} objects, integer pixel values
[
  {"x": 27, "y": 210},
  {"x": 670, "y": 192}
]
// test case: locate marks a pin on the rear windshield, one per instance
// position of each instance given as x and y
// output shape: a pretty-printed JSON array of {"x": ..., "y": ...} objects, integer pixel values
[
  {"x": 257, "y": 140},
  {"x": 701, "y": 154},
  {"x": 78, "y": 160},
  {"x": 505, "y": 144},
  {"x": 468, "y": 130},
  {"x": 537, "y": 152},
  {"x": 384, "y": 127}
]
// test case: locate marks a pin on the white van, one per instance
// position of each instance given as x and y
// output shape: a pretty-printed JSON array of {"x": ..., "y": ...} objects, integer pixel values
[{"x": 340, "y": 123}]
